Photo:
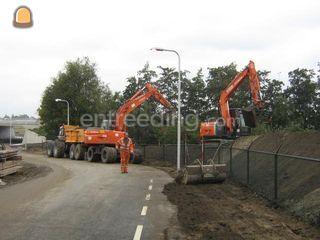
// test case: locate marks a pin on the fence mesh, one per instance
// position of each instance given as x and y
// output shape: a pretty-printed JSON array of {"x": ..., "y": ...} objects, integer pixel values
[
  {"x": 262, "y": 173},
  {"x": 275, "y": 175}
]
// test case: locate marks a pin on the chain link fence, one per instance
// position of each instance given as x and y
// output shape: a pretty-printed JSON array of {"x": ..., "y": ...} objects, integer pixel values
[
  {"x": 278, "y": 176},
  {"x": 275, "y": 174},
  {"x": 189, "y": 153}
]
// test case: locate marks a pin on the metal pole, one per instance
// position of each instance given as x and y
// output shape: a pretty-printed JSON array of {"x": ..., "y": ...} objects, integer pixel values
[
  {"x": 179, "y": 105},
  {"x": 10, "y": 134},
  {"x": 179, "y": 115},
  {"x": 68, "y": 112}
]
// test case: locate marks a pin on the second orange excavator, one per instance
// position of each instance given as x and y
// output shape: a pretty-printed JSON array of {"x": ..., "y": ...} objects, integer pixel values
[
  {"x": 235, "y": 122},
  {"x": 100, "y": 143}
]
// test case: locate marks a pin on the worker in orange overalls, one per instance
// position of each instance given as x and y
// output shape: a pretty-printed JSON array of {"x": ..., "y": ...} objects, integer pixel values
[{"x": 125, "y": 146}]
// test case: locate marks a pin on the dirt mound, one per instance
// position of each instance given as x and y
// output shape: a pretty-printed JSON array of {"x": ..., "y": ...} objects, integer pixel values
[
  {"x": 298, "y": 179},
  {"x": 302, "y": 144},
  {"x": 28, "y": 171},
  {"x": 305, "y": 144},
  {"x": 268, "y": 142},
  {"x": 245, "y": 142},
  {"x": 229, "y": 211}
]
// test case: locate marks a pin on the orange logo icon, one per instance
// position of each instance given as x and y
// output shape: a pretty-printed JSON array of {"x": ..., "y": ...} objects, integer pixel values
[{"x": 23, "y": 17}]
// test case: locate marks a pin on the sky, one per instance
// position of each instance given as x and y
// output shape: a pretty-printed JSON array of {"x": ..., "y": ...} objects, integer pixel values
[{"x": 277, "y": 35}]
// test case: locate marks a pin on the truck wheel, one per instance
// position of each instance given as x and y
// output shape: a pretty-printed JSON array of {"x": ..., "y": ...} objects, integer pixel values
[
  {"x": 91, "y": 156},
  {"x": 79, "y": 152},
  {"x": 50, "y": 145},
  {"x": 113, "y": 155},
  {"x": 137, "y": 157},
  {"x": 105, "y": 153},
  {"x": 71, "y": 151},
  {"x": 58, "y": 149},
  {"x": 108, "y": 155}
]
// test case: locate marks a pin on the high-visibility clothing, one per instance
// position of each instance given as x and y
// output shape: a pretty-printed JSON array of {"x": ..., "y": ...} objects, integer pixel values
[
  {"x": 125, "y": 156},
  {"x": 122, "y": 145},
  {"x": 126, "y": 147}
]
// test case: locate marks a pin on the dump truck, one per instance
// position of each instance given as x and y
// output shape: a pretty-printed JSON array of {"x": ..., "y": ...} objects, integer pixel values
[{"x": 99, "y": 144}]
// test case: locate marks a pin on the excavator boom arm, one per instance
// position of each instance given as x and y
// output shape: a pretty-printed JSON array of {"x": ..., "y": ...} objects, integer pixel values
[
  {"x": 136, "y": 101},
  {"x": 254, "y": 84}
]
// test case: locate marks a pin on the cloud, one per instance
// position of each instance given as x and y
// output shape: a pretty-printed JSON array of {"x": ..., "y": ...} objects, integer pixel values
[{"x": 278, "y": 35}]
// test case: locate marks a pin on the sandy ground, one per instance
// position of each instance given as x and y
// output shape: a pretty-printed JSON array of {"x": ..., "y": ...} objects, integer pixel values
[
  {"x": 228, "y": 211},
  {"x": 27, "y": 172}
]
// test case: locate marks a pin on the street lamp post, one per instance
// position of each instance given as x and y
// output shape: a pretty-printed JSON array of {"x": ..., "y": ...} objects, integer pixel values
[
  {"x": 10, "y": 131},
  {"x": 62, "y": 100},
  {"x": 179, "y": 104}
]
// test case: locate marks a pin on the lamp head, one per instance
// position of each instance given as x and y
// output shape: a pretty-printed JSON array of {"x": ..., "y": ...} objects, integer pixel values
[
  {"x": 58, "y": 100},
  {"x": 157, "y": 49}
]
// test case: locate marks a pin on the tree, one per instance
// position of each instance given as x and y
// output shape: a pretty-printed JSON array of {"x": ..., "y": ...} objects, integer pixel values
[
  {"x": 197, "y": 98},
  {"x": 275, "y": 105},
  {"x": 135, "y": 83},
  {"x": 302, "y": 95},
  {"x": 79, "y": 84},
  {"x": 217, "y": 80}
]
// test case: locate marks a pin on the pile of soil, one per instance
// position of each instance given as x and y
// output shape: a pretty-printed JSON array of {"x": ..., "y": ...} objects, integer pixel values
[
  {"x": 230, "y": 211},
  {"x": 298, "y": 180},
  {"x": 27, "y": 172},
  {"x": 304, "y": 144},
  {"x": 245, "y": 142}
]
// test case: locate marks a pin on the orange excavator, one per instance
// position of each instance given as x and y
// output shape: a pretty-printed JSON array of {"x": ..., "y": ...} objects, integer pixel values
[
  {"x": 136, "y": 101},
  {"x": 232, "y": 124},
  {"x": 235, "y": 122},
  {"x": 100, "y": 143}
]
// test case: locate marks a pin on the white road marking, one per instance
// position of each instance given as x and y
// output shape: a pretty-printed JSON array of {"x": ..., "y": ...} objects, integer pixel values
[
  {"x": 150, "y": 187},
  {"x": 151, "y": 180},
  {"x": 148, "y": 197},
  {"x": 138, "y": 233},
  {"x": 144, "y": 211}
]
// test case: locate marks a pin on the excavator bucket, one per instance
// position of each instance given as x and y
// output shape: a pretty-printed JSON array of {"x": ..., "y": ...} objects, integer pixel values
[
  {"x": 199, "y": 173},
  {"x": 249, "y": 116}
]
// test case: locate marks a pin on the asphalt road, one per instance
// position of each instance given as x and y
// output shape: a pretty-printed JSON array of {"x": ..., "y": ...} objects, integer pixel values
[{"x": 81, "y": 200}]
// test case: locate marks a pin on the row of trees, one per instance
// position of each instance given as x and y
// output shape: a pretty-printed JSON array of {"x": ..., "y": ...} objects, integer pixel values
[{"x": 294, "y": 106}]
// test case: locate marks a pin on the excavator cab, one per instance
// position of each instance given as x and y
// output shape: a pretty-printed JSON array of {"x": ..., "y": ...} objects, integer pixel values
[{"x": 243, "y": 122}]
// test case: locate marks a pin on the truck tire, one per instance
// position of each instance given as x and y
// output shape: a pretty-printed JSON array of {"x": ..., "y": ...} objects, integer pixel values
[
  {"x": 50, "y": 145},
  {"x": 58, "y": 150},
  {"x": 79, "y": 152},
  {"x": 91, "y": 156},
  {"x": 108, "y": 155},
  {"x": 71, "y": 151},
  {"x": 136, "y": 157},
  {"x": 113, "y": 155}
]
